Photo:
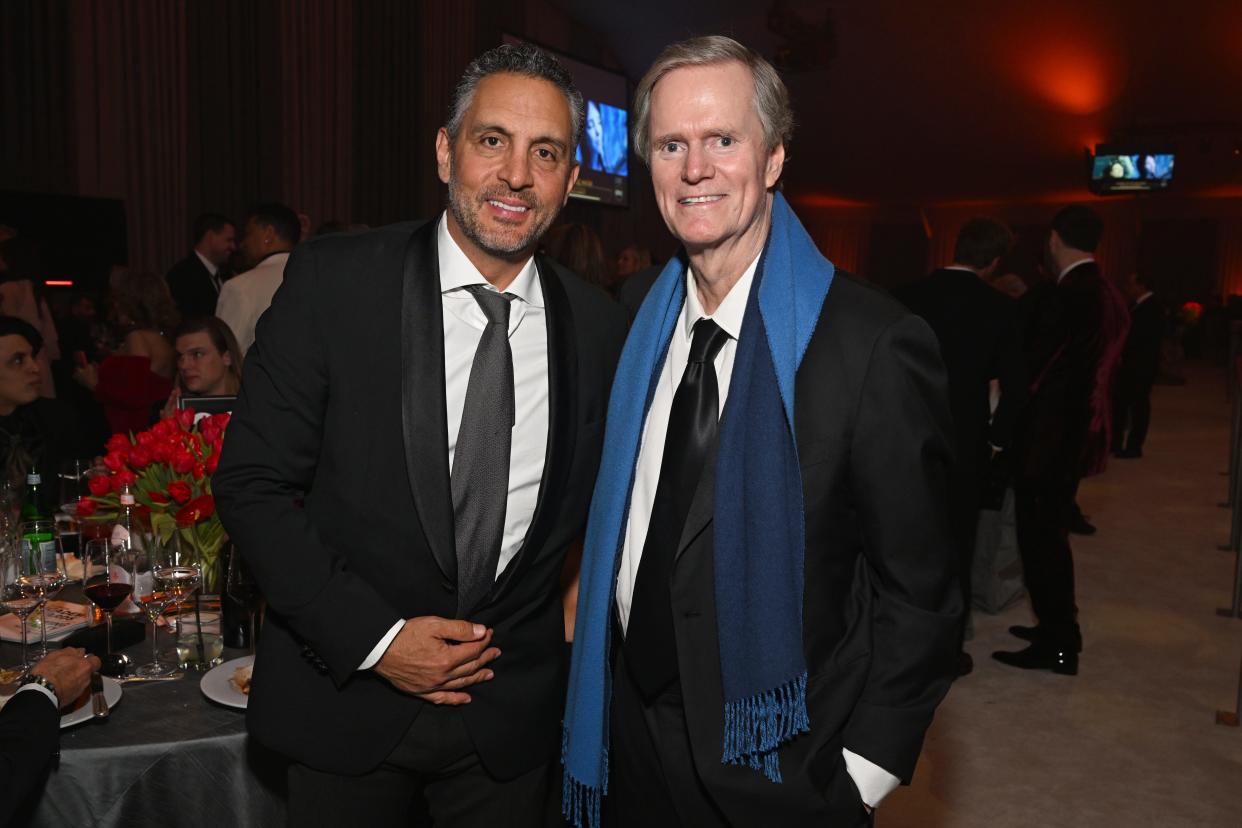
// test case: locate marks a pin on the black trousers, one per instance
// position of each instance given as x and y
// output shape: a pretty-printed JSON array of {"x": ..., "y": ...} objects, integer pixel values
[
  {"x": 652, "y": 778},
  {"x": 1043, "y": 510},
  {"x": 432, "y": 778},
  {"x": 1131, "y": 416},
  {"x": 964, "y": 499}
]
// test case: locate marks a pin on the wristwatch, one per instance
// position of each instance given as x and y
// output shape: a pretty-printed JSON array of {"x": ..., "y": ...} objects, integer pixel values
[{"x": 42, "y": 681}]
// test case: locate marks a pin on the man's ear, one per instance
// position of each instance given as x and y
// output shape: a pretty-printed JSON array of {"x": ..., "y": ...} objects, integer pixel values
[
  {"x": 444, "y": 154},
  {"x": 776, "y": 164},
  {"x": 573, "y": 179}
]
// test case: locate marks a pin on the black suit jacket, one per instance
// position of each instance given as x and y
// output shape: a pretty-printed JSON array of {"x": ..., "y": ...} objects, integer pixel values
[
  {"x": 1140, "y": 361},
  {"x": 881, "y": 606},
  {"x": 29, "y": 735},
  {"x": 335, "y": 481},
  {"x": 977, "y": 328},
  {"x": 1065, "y": 341},
  {"x": 193, "y": 290}
]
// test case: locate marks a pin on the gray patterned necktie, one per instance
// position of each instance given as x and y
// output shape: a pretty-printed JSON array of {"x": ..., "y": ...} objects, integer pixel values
[{"x": 480, "y": 477}]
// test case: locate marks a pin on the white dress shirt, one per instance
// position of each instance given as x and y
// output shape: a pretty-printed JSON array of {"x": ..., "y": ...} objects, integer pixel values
[
  {"x": 211, "y": 268},
  {"x": 464, "y": 322},
  {"x": 873, "y": 782}
]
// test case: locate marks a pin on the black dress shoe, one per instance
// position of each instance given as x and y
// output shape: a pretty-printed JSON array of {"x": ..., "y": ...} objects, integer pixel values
[
  {"x": 1131, "y": 454},
  {"x": 1041, "y": 657},
  {"x": 965, "y": 664},
  {"x": 1036, "y": 634},
  {"x": 1080, "y": 526}
]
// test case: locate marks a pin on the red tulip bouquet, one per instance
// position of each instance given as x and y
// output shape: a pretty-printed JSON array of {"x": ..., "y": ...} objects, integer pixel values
[{"x": 168, "y": 468}]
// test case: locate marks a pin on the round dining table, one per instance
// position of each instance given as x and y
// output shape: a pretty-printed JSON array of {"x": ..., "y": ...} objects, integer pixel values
[{"x": 166, "y": 755}]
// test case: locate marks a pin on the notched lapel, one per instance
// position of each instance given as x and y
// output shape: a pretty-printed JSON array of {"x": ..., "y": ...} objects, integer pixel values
[
  {"x": 423, "y": 412},
  {"x": 562, "y": 424},
  {"x": 703, "y": 507}
]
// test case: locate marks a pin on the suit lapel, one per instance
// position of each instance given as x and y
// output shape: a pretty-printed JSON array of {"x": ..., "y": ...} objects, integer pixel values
[
  {"x": 423, "y": 411},
  {"x": 562, "y": 424},
  {"x": 703, "y": 506}
]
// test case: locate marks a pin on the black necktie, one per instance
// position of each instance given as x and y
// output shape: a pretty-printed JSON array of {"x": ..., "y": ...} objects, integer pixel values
[
  {"x": 650, "y": 649},
  {"x": 480, "y": 477}
]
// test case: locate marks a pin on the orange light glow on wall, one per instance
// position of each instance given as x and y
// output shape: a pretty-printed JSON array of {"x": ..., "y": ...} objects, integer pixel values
[
  {"x": 825, "y": 200},
  {"x": 1074, "y": 75},
  {"x": 58, "y": 282}
]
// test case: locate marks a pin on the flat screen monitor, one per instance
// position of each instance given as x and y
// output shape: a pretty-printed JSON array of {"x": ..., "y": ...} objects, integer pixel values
[
  {"x": 604, "y": 153},
  {"x": 1121, "y": 172}
]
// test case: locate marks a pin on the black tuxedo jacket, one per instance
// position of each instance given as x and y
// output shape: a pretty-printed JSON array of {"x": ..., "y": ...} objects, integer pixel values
[
  {"x": 1140, "y": 361},
  {"x": 881, "y": 606},
  {"x": 1065, "y": 341},
  {"x": 193, "y": 290},
  {"x": 29, "y": 734},
  {"x": 977, "y": 328},
  {"x": 335, "y": 482}
]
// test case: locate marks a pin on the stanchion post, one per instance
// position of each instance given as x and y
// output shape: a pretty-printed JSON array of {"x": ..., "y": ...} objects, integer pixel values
[{"x": 1229, "y": 718}]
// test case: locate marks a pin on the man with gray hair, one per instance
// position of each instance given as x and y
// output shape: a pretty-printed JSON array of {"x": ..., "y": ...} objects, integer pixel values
[
  {"x": 768, "y": 611},
  {"x": 410, "y": 458}
]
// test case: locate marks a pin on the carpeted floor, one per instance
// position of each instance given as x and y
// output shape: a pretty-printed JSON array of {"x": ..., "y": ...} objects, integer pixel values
[{"x": 1131, "y": 741}]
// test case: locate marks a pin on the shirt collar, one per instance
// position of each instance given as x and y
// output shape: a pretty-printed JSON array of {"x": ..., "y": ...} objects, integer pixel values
[
  {"x": 1073, "y": 265},
  {"x": 729, "y": 315},
  {"x": 963, "y": 268},
  {"x": 457, "y": 271},
  {"x": 211, "y": 268}
]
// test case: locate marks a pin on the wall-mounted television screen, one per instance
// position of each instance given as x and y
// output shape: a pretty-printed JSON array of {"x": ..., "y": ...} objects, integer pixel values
[
  {"x": 1124, "y": 172},
  {"x": 604, "y": 152}
]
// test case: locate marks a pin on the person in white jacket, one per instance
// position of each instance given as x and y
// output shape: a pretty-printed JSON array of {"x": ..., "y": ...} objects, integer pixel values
[{"x": 271, "y": 231}]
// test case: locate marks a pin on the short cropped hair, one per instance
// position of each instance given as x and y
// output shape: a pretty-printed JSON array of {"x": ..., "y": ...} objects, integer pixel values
[
  {"x": 771, "y": 96},
  {"x": 13, "y": 326},
  {"x": 280, "y": 218},
  {"x": 208, "y": 223},
  {"x": 1079, "y": 226},
  {"x": 981, "y": 241},
  {"x": 520, "y": 59}
]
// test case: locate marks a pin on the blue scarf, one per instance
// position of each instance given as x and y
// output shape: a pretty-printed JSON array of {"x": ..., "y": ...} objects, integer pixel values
[{"x": 759, "y": 528}]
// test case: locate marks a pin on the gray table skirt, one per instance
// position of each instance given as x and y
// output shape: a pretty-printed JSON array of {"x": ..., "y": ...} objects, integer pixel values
[{"x": 166, "y": 756}]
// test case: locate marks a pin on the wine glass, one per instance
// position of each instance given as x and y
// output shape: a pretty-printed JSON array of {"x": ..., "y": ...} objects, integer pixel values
[
  {"x": 106, "y": 584},
  {"x": 17, "y": 594},
  {"x": 242, "y": 588},
  {"x": 161, "y": 579},
  {"x": 44, "y": 567}
]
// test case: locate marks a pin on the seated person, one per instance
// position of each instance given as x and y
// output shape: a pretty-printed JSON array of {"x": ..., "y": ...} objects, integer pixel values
[
  {"x": 139, "y": 373},
  {"x": 35, "y": 432},
  {"x": 208, "y": 361},
  {"x": 30, "y": 724}
]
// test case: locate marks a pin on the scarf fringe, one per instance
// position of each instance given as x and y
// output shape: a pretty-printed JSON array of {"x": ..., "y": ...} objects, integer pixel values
[
  {"x": 756, "y": 726},
  {"x": 579, "y": 800}
]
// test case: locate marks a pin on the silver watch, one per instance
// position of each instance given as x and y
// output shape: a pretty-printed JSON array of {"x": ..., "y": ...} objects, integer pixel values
[{"x": 42, "y": 681}]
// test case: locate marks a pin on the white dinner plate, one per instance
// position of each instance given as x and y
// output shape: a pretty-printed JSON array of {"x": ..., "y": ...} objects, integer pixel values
[
  {"x": 112, "y": 695},
  {"x": 218, "y": 686}
]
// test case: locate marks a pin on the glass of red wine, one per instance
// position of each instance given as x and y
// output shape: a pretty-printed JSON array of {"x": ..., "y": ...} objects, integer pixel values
[
  {"x": 107, "y": 585},
  {"x": 242, "y": 588}
]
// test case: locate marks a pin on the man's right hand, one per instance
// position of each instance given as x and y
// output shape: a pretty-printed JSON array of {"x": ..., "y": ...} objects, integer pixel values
[
  {"x": 434, "y": 658},
  {"x": 69, "y": 670}
]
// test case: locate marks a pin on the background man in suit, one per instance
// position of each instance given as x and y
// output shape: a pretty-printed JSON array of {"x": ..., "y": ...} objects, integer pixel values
[
  {"x": 977, "y": 329},
  {"x": 30, "y": 724},
  {"x": 405, "y": 489},
  {"x": 1140, "y": 361},
  {"x": 195, "y": 280},
  {"x": 785, "y": 586},
  {"x": 271, "y": 231},
  {"x": 1063, "y": 359}
]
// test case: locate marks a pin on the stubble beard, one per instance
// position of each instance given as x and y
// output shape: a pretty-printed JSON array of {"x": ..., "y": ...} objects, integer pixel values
[{"x": 466, "y": 214}]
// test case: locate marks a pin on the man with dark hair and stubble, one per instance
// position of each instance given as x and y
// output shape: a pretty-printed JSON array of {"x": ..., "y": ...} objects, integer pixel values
[
  {"x": 195, "y": 280},
  {"x": 977, "y": 329},
  {"x": 270, "y": 232},
  {"x": 1066, "y": 343},
  {"x": 406, "y": 489}
]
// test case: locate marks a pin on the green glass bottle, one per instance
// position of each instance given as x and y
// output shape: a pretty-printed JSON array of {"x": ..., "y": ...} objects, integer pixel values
[{"x": 37, "y": 530}]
